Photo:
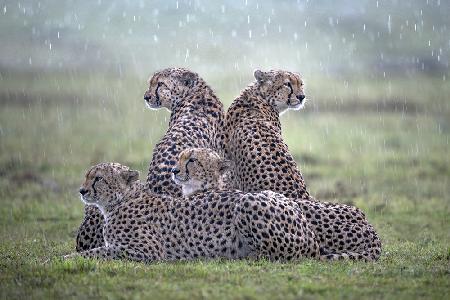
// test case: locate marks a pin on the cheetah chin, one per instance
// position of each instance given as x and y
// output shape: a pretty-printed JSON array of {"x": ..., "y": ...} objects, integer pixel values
[
  {"x": 152, "y": 107},
  {"x": 298, "y": 106},
  {"x": 86, "y": 201},
  {"x": 179, "y": 180},
  {"x": 83, "y": 200}
]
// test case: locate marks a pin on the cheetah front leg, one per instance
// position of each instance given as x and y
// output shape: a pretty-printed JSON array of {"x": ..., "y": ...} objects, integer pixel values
[
  {"x": 90, "y": 232},
  {"x": 117, "y": 252}
]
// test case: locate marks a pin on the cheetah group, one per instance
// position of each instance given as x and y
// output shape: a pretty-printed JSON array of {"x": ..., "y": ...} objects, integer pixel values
[{"x": 218, "y": 185}]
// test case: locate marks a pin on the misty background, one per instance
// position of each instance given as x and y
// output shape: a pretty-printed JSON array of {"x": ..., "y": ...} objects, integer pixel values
[{"x": 374, "y": 133}]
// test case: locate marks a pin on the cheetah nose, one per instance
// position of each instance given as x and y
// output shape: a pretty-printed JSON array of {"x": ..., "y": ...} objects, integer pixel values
[
  {"x": 83, "y": 191},
  {"x": 175, "y": 170},
  {"x": 301, "y": 97},
  {"x": 147, "y": 95}
]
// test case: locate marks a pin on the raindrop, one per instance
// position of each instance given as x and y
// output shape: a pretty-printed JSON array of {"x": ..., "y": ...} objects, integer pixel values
[
  {"x": 186, "y": 56},
  {"x": 249, "y": 34},
  {"x": 389, "y": 24}
]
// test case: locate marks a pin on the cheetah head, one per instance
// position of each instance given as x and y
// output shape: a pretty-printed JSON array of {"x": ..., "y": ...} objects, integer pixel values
[
  {"x": 106, "y": 183},
  {"x": 168, "y": 87},
  {"x": 199, "y": 169},
  {"x": 282, "y": 89}
]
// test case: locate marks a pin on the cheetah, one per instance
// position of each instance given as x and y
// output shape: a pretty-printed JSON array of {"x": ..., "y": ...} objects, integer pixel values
[
  {"x": 254, "y": 142},
  {"x": 147, "y": 227},
  {"x": 196, "y": 120},
  {"x": 341, "y": 231}
]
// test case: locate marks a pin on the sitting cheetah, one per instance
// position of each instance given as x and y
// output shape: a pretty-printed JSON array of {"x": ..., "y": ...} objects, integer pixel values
[
  {"x": 254, "y": 142},
  {"x": 341, "y": 231},
  {"x": 147, "y": 227},
  {"x": 196, "y": 120},
  {"x": 196, "y": 117}
]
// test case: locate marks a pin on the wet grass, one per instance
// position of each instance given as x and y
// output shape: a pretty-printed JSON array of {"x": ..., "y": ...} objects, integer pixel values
[{"x": 394, "y": 164}]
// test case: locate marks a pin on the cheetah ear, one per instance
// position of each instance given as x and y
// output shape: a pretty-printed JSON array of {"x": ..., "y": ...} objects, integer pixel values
[
  {"x": 130, "y": 176},
  {"x": 260, "y": 76},
  {"x": 188, "y": 79},
  {"x": 224, "y": 165}
]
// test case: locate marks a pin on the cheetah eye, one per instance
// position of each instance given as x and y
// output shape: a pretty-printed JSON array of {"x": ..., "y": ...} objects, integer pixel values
[
  {"x": 190, "y": 160},
  {"x": 97, "y": 178}
]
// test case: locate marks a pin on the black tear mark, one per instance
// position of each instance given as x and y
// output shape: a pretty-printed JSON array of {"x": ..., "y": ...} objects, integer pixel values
[
  {"x": 157, "y": 94},
  {"x": 96, "y": 179}
]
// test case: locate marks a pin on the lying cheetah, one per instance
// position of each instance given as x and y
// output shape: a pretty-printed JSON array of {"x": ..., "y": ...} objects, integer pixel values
[
  {"x": 146, "y": 227},
  {"x": 254, "y": 142},
  {"x": 196, "y": 117},
  {"x": 341, "y": 231}
]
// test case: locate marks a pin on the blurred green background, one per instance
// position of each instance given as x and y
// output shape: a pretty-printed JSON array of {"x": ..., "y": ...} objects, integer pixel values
[{"x": 375, "y": 133}]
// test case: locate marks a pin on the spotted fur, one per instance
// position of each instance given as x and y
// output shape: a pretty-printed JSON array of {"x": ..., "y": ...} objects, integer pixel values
[
  {"x": 254, "y": 142},
  {"x": 341, "y": 231},
  {"x": 193, "y": 176},
  {"x": 142, "y": 226},
  {"x": 196, "y": 120}
]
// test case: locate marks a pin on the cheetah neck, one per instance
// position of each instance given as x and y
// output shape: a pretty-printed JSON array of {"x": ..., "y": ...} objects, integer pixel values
[
  {"x": 252, "y": 104},
  {"x": 202, "y": 101},
  {"x": 110, "y": 207}
]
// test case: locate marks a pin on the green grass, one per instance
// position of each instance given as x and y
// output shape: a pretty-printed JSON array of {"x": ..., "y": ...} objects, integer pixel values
[
  {"x": 393, "y": 163},
  {"x": 375, "y": 134}
]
